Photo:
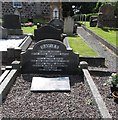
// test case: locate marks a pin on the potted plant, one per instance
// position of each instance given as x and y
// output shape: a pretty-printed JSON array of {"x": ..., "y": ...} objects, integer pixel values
[
  {"x": 115, "y": 95},
  {"x": 113, "y": 82}
]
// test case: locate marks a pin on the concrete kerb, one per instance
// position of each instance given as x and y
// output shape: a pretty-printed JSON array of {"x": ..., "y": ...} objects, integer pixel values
[
  {"x": 96, "y": 95},
  {"x": 103, "y": 41},
  {"x": 25, "y": 44},
  {"x": 7, "y": 79}
]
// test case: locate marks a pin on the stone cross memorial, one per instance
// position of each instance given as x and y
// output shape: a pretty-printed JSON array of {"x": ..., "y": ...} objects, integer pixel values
[{"x": 49, "y": 56}]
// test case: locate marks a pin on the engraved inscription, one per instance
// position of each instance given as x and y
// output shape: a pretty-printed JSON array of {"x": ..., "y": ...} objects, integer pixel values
[
  {"x": 50, "y": 60},
  {"x": 49, "y": 46},
  {"x": 48, "y": 56}
]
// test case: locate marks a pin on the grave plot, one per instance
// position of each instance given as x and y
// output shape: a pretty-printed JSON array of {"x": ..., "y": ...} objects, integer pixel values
[
  {"x": 46, "y": 60},
  {"x": 22, "y": 103},
  {"x": 12, "y": 41},
  {"x": 105, "y": 91},
  {"x": 12, "y": 47}
]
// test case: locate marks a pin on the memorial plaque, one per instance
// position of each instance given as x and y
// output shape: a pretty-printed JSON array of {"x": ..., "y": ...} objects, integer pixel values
[
  {"x": 50, "y": 84},
  {"x": 47, "y": 32},
  {"x": 49, "y": 56}
]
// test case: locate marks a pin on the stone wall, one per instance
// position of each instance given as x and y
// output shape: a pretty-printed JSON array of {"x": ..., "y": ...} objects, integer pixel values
[{"x": 28, "y": 10}]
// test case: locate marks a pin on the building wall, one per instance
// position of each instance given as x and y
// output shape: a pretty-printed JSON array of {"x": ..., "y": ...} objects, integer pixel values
[{"x": 28, "y": 10}]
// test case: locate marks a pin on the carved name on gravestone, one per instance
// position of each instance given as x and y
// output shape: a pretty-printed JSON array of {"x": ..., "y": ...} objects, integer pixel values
[
  {"x": 49, "y": 56},
  {"x": 47, "y": 32}
]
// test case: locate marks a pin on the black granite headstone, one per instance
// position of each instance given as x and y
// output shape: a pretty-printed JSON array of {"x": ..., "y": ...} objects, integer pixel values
[
  {"x": 93, "y": 21},
  {"x": 11, "y": 22},
  {"x": 57, "y": 23},
  {"x": 47, "y": 32},
  {"x": 49, "y": 56}
]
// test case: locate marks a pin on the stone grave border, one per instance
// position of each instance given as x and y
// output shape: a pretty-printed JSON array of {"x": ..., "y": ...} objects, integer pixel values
[
  {"x": 92, "y": 61},
  {"x": 103, "y": 41},
  {"x": 14, "y": 53},
  {"x": 8, "y": 78}
]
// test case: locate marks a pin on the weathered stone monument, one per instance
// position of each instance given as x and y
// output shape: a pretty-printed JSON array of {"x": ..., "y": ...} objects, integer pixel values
[
  {"x": 68, "y": 25},
  {"x": 49, "y": 56},
  {"x": 106, "y": 17},
  {"x": 47, "y": 32},
  {"x": 12, "y": 24}
]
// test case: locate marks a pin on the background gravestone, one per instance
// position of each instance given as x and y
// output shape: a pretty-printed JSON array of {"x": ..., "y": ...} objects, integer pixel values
[
  {"x": 47, "y": 32},
  {"x": 106, "y": 17},
  {"x": 57, "y": 23},
  {"x": 68, "y": 25},
  {"x": 93, "y": 21},
  {"x": 49, "y": 56},
  {"x": 12, "y": 24},
  {"x": 3, "y": 33}
]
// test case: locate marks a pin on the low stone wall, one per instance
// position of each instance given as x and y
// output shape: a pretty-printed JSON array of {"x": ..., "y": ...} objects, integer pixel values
[
  {"x": 103, "y": 41},
  {"x": 94, "y": 61}
]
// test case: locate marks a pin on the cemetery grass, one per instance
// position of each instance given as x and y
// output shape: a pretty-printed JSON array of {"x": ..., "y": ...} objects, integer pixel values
[
  {"x": 79, "y": 46},
  {"x": 83, "y": 49},
  {"x": 29, "y": 29},
  {"x": 108, "y": 34}
]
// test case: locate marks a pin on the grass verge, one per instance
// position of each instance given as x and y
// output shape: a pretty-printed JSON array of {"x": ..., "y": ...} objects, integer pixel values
[
  {"x": 81, "y": 47},
  {"x": 29, "y": 29},
  {"x": 108, "y": 34}
]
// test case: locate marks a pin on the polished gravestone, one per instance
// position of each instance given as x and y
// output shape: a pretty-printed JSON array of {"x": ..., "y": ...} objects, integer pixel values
[
  {"x": 11, "y": 22},
  {"x": 57, "y": 23},
  {"x": 49, "y": 56},
  {"x": 47, "y": 32}
]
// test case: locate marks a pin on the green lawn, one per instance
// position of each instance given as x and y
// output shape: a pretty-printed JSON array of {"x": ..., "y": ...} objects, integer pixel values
[
  {"x": 29, "y": 29},
  {"x": 76, "y": 43},
  {"x": 81, "y": 47},
  {"x": 106, "y": 33}
]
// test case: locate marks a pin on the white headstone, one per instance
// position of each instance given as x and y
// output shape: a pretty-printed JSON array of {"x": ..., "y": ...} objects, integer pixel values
[{"x": 68, "y": 25}]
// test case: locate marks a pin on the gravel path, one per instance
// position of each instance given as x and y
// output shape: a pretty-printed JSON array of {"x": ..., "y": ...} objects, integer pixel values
[
  {"x": 22, "y": 103},
  {"x": 105, "y": 91},
  {"x": 110, "y": 58}
]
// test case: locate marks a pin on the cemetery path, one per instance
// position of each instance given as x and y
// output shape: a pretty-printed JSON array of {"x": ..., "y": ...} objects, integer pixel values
[{"x": 110, "y": 57}]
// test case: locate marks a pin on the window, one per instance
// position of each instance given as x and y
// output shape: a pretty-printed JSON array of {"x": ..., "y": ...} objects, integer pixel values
[{"x": 17, "y": 4}]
